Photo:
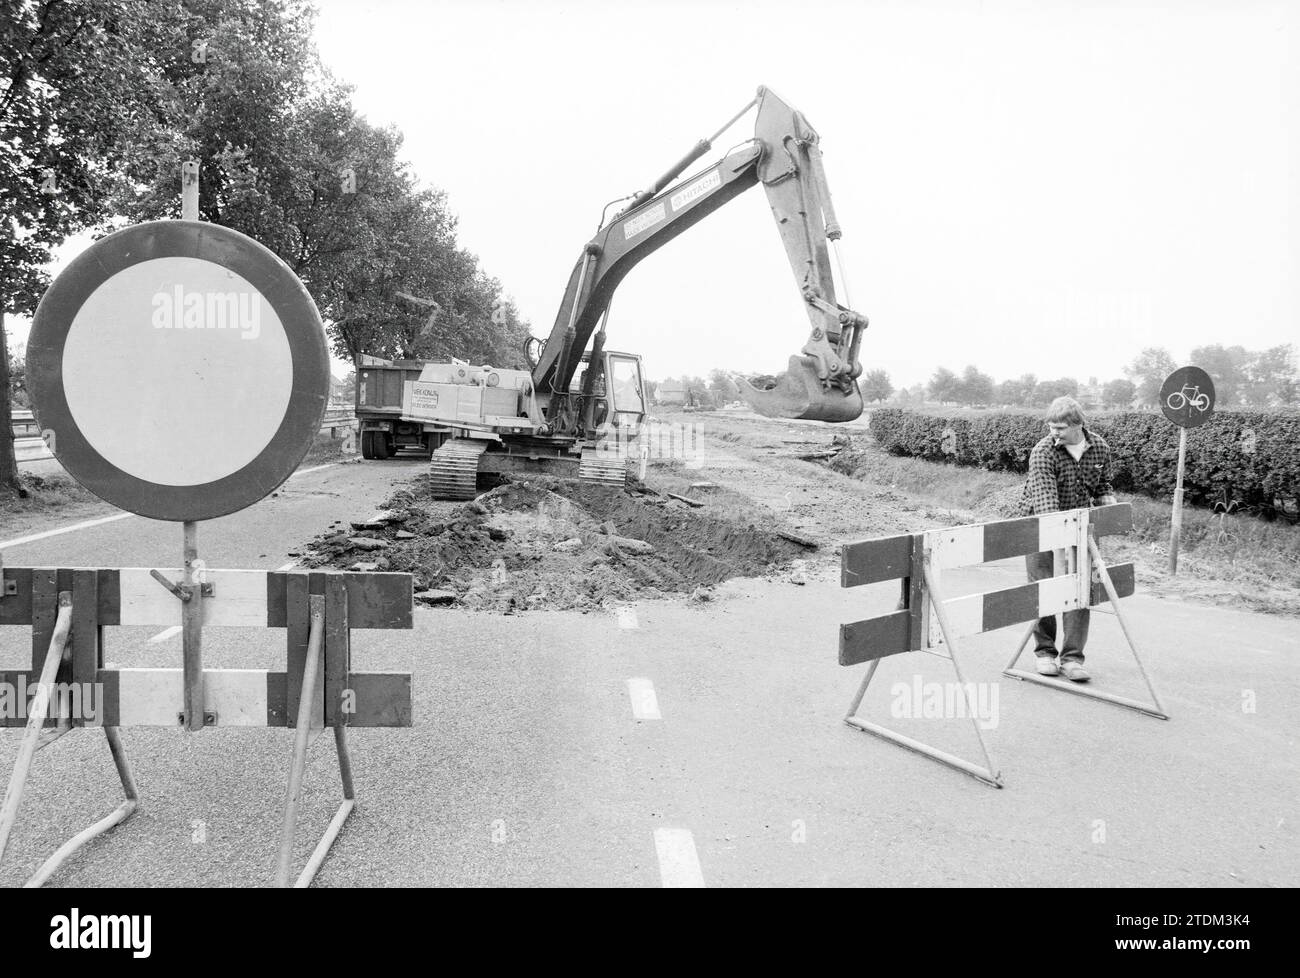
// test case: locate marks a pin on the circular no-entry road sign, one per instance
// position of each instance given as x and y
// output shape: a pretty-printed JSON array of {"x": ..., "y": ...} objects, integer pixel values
[
  {"x": 178, "y": 370},
  {"x": 1187, "y": 397}
]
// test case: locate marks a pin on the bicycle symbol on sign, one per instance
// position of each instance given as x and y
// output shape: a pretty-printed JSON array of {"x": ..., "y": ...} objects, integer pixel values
[{"x": 1195, "y": 399}]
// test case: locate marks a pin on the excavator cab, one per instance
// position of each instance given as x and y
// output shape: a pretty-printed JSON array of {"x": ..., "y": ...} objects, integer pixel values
[
  {"x": 627, "y": 389},
  {"x": 618, "y": 390}
]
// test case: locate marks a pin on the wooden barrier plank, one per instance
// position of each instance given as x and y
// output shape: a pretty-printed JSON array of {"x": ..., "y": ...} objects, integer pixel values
[
  {"x": 375, "y": 599},
  {"x": 109, "y": 590},
  {"x": 1010, "y": 606},
  {"x": 241, "y": 697},
  {"x": 916, "y": 605},
  {"x": 1057, "y": 530},
  {"x": 872, "y": 561},
  {"x": 16, "y": 695},
  {"x": 383, "y": 699},
  {"x": 277, "y": 699},
  {"x": 1114, "y": 519},
  {"x": 238, "y": 600},
  {"x": 956, "y": 546},
  {"x": 298, "y": 629},
  {"x": 1011, "y": 538},
  {"x": 1122, "y": 577},
  {"x": 85, "y": 625},
  {"x": 110, "y": 699},
  {"x": 45, "y": 609},
  {"x": 875, "y": 638},
  {"x": 337, "y": 648},
  {"x": 16, "y": 609},
  {"x": 154, "y": 697},
  {"x": 1058, "y": 594}
]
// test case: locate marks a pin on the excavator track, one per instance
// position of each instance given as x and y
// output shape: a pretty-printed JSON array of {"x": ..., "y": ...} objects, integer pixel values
[
  {"x": 453, "y": 471},
  {"x": 603, "y": 468}
]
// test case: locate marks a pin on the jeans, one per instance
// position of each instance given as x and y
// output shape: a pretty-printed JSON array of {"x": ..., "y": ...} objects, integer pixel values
[{"x": 1076, "y": 622}]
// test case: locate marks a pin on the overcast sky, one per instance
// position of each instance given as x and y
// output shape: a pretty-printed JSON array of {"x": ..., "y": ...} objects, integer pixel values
[{"x": 1028, "y": 187}]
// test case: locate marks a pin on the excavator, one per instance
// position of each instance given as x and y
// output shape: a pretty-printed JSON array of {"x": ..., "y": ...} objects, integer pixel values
[{"x": 580, "y": 405}]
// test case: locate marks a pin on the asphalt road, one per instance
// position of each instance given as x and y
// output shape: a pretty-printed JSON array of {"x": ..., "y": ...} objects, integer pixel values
[{"x": 528, "y": 765}]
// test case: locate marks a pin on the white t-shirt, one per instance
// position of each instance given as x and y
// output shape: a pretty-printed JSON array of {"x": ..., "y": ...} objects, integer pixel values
[{"x": 1077, "y": 450}]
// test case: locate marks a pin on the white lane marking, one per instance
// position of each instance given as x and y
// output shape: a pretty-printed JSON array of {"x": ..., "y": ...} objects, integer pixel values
[
  {"x": 66, "y": 529},
  {"x": 166, "y": 633},
  {"x": 289, "y": 566},
  {"x": 645, "y": 705},
  {"x": 314, "y": 468},
  {"x": 109, "y": 519},
  {"x": 626, "y": 617},
  {"x": 679, "y": 866}
]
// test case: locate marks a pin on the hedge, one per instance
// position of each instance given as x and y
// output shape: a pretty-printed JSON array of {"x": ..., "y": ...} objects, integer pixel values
[{"x": 1250, "y": 457}]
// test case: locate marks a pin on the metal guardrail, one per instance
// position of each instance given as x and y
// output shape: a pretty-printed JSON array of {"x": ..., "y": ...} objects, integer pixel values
[{"x": 331, "y": 421}]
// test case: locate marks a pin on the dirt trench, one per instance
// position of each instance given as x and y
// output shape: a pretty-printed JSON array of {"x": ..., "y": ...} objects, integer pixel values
[{"x": 544, "y": 543}]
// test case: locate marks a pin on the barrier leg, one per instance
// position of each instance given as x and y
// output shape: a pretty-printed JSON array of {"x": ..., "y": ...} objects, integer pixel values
[
  {"x": 862, "y": 690},
  {"x": 336, "y": 823},
  {"x": 33, "y": 740},
  {"x": 116, "y": 817},
  {"x": 1109, "y": 585},
  {"x": 950, "y": 636},
  {"x": 303, "y": 737},
  {"x": 1020, "y": 650},
  {"x": 987, "y": 774},
  {"x": 1152, "y": 709},
  {"x": 35, "y": 720}
]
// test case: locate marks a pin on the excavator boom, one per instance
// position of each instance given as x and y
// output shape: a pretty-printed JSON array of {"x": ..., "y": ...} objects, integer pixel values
[{"x": 821, "y": 381}]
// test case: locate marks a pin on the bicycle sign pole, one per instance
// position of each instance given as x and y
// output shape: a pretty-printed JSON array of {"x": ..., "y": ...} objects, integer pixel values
[{"x": 1187, "y": 399}]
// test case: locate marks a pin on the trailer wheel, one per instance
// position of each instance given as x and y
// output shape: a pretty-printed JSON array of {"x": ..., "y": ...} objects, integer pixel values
[{"x": 376, "y": 444}]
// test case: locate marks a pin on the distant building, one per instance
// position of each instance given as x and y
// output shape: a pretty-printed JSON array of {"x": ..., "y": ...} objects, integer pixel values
[
  {"x": 670, "y": 393},
  {"x": 1091, "y": 395}
]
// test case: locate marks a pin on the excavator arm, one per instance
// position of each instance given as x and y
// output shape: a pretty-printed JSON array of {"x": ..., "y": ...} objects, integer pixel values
[{"x": 784, "y": 156}]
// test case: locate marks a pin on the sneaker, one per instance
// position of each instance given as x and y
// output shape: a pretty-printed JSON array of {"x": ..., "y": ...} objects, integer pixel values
[
  {"x": 1046, "y": 665},
  {"x": 1075, "y": 672}
]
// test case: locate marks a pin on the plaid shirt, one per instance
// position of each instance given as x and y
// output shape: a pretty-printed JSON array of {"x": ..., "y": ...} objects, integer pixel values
[{"x": 1056, "y": 481}]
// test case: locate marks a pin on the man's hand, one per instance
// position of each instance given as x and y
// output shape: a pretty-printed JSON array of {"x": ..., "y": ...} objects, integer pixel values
[{"x": 1107, "y": 500}]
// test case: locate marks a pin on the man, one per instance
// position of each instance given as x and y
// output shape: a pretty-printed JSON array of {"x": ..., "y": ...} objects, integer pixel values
[{"x": 1069, "y": 469}]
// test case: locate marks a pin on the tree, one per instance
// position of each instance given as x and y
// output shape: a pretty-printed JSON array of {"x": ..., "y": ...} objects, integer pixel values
[
  {"x": 1270, "y": 377},
  {"x": 943, "y": 385},
  {"x": 1046, "y": 391},
  {"x": 18, "y": 379},
  {"x": 76, "y": 98},
  {"x": 1227, "y": 367},
  {"x": 1016, "y": 393},
  {"x": 974, "y": 388},
  {"x": 1118, "y": 393},
  {"x": 1148, "y": 371},
  {"x": 875, "y": 385},
  {"x": 697, "y": 392},
  {"x": 724, "y": 388}
]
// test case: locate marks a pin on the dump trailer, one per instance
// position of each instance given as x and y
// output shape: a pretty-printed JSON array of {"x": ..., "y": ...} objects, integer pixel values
[{"x": 382, "y": 398}]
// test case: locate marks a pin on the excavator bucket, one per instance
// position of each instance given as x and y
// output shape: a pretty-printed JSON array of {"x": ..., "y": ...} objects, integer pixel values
[{"x": 798, "y": 393}]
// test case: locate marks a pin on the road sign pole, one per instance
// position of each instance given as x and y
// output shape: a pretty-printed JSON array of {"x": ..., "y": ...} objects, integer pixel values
[
  {"x": 192, "y": 629},
  {"x": 1176, "y": 526},
  {"x": 192, "y": 607},
  {"x": 190, "y": 190}
]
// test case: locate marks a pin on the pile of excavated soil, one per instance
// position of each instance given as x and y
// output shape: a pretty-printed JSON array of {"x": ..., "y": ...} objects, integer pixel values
[{"x": 553, "y": 544}]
